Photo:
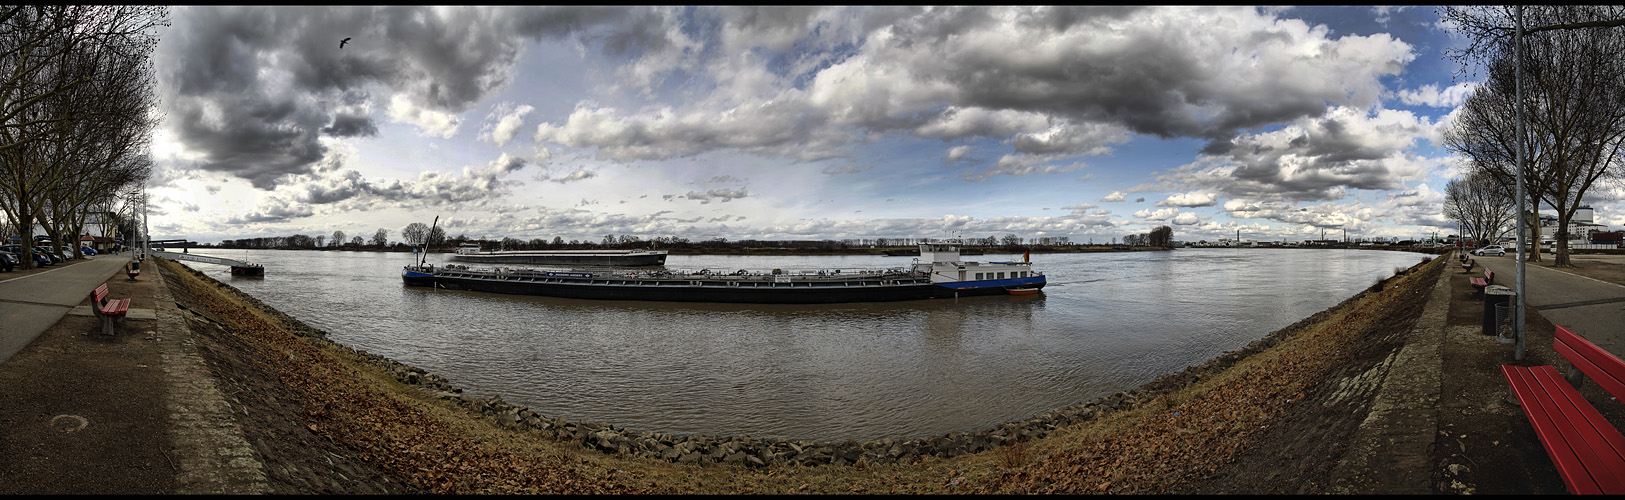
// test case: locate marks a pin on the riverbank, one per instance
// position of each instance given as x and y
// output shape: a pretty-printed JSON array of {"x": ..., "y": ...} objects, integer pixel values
[
  {"x": 1287, "y": 414},
  {"x": 412, "y": 428}
]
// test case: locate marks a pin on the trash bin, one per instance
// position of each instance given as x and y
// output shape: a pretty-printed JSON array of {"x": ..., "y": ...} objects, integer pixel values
[{"x": 1496, "y": 295}]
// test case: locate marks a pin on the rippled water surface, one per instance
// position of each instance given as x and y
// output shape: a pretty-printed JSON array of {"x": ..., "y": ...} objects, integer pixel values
[{"x": 1105, "y": 323}]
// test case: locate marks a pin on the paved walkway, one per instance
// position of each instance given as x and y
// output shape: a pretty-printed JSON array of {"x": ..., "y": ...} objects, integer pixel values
[
  {"x": 1390, "y": 453},
  {"x": 31, "y": 303},
  {"x": 136, "y": 412},
  {"x": 1591, "y": 308}
]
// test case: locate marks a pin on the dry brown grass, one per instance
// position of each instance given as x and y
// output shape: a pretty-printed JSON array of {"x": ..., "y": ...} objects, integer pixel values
[
  {"x": 1012, "y": 456},
  {"x": 1187, "y": 433}
]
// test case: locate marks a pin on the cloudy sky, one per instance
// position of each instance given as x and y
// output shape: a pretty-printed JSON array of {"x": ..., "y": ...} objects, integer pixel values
[{"x": 790, "y": 123}]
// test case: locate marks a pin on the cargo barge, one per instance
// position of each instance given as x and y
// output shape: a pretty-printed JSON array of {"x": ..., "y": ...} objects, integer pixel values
[{"x": 938, "y": 273}]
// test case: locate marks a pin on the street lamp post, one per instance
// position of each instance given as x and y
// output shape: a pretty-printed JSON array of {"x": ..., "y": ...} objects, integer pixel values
[{"x": 1517, "y": 314}]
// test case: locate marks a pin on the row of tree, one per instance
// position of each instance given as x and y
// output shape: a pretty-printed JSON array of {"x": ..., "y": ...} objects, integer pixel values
[
  {"x": 1571, "y": 117},
  {"x": 1162, "y": 236},
  {"x": 418, "y": 234},
  {"x": 380, "y": 239},
  {"x": 77, "y": 101}
]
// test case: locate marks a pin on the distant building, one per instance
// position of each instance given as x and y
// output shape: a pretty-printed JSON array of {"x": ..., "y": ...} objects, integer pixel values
[
  {"x": 97, "y": 243},
  {"x": 1581, "y": 227}
]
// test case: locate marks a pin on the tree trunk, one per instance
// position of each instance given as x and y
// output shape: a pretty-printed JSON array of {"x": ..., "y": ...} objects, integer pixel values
[
  {"x": 1533, "y": 241},
  {"x": 25, "y": 235},
  {"x": 1562, "y": 243}
]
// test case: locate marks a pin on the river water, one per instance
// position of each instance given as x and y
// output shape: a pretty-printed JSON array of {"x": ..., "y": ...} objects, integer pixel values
[{"x": 1106, "y": 322}]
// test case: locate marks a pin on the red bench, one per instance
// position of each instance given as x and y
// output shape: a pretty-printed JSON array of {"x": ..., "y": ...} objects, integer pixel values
[
  {"x": 1588, "y": 451},
  {"x": 132, "y": 269},
  {"x": 107, "y": 309},
  {"x": 1468, "y": 265},
  {"x": 1481, "y": 283}
]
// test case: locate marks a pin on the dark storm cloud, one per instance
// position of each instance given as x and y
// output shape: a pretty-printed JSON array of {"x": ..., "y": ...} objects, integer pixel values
[
  {"x": 273, "y": 210},
  {"x": 1167, "y": 72},
  {"x": 1312, "y": 159},
  {"x": 253, "y": 89},
  {"x": 351, "y": 126}
]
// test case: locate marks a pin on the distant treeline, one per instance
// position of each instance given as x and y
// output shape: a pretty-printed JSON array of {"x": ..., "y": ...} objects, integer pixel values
[{"x": 1008, "y": 244}]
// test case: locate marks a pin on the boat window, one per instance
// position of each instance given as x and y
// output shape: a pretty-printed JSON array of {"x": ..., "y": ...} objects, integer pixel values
[
  {"x": 1001, "y": 276},
  {"x": 978, "y": 275}
]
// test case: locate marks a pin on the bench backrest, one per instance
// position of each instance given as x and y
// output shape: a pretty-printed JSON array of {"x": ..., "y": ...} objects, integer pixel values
[
  {"x": 1489, "y": 276},
  {"x": 99, "y": 294},
  {"x": 1605, "y": 368}
]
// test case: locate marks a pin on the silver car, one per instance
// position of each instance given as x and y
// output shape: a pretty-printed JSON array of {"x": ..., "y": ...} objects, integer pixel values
[{"x": 1495, "y": 250}]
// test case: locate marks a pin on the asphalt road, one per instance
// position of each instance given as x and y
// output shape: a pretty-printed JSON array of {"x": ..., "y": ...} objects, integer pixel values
[
  {"x": 1591, "y": 308},
  {"x": 30, "y": 304}
]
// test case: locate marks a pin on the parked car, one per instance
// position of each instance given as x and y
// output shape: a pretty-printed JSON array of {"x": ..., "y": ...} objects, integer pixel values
[
  {"x": 87, "y": 250},
  {"x": 40, "y": 260},
  {"x": 55, "y": 259},
  {"x": 8, "y": 261},
  {"x": 1495, "y": 250}
]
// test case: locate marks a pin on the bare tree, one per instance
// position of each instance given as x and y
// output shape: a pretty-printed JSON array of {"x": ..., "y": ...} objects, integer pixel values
[
  {"x": 1162, "y": 236},
  {"x": 380, "y": 238},
  {"x": 76, "y": 95},
  {"x": 92, "y": 157},
  {"x": 338, "y": 239},
  {"x": 1481, "y": 205},
  {"x": 436, "y": 235},
  {"x": 1574, "y": 97},
  {"x": 415, "y": 233}
]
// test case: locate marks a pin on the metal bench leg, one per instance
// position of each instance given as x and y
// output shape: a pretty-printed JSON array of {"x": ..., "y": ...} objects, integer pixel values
[{"x": 1575, "y": 377}]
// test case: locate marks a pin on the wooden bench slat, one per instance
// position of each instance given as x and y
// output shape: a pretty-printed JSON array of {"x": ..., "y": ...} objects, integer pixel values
[
  {"x": 1484, "y": 282},
  {"x": 116, "y": 307},
  {"x": 1591, "y": 369},
  {"x": 1595, "y": 440},
  {"x": 1543, "y": 416},
  {"x": 1601, "y": 366}
]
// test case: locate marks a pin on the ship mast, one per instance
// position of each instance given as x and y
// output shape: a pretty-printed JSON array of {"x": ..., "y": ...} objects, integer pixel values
[{"x": 425, "y": 256}]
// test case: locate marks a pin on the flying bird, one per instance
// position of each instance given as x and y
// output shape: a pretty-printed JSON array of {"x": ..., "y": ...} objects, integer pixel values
[{"x": 344, "y": 41}]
